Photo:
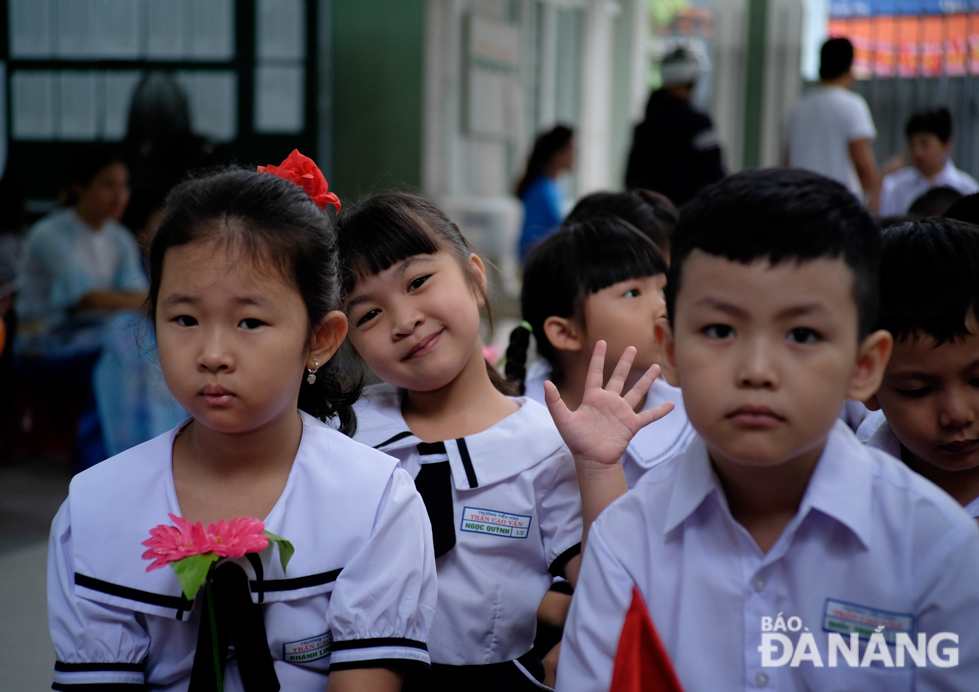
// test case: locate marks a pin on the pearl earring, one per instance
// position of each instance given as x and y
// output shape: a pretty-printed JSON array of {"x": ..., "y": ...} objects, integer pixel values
[{"x": 311, "y": 377}]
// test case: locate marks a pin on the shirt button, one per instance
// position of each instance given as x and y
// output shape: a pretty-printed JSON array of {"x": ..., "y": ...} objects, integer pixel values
[
  {"x": 759, "y": 584},
  {"x": 761, "y": 679}
]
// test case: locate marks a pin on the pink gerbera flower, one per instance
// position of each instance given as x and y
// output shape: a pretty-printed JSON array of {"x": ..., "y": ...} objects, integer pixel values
[
  {"x": 238, "y": 537},
  {"x": 171, "y": 543}
]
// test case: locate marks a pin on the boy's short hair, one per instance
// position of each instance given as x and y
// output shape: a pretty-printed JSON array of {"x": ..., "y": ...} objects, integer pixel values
[
  {"x": 835, "y": 58},
  {"x": 933, "y": 202},
  {"x": 929, "y": 279},
  {"x": 966, "y": 209},
  {"x": 782, "y": 215},
  {"x": 935, "y": 121}
]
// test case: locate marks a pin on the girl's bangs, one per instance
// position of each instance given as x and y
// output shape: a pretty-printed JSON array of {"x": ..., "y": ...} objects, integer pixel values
[
  {"x": 607, "y": 258},
  {"x": 379, "y": 238}
]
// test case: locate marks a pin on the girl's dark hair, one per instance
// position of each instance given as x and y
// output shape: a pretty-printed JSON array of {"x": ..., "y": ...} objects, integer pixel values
[
  {"x": 384, "y": 229},
  {"x": 272, "y": 220},
  {"x": 652, "y": 213},
  {"x": 546, "y": 146},
  {"x": 577, "y": 261}
]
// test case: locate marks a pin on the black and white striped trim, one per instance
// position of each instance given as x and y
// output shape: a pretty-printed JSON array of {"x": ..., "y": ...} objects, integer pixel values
[
  {"x": 386, "y": 652},
  {"x": 81, "y": 677}
]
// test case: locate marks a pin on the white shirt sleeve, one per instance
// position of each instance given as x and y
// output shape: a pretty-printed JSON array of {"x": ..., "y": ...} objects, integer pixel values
[
  {"x": 591, "y": 634},
  {"x": 861, "y": 125},
  {"x": 945, "y": 582},
  {"x": 384, "y": 600},
  {"x": 94, "y": 644},
  {"x": 560, "y": 514},
  {"x": 888, "y": 197}
]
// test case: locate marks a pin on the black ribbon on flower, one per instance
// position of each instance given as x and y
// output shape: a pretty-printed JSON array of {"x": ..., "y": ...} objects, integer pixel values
[{"x": 238, "y": 621}]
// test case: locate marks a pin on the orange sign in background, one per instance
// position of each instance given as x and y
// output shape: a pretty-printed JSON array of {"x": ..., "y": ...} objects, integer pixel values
[{"x": 911, "y": 46}]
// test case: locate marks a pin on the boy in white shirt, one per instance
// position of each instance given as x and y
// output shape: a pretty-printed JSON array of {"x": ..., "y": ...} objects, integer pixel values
[
  {"x": 929, "y": 135},
  {"x": 929, "y": 290},
  {"x": 777, "y": 551}
]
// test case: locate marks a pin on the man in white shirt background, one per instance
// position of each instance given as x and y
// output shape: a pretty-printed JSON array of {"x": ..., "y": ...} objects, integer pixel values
[
  {"x": 929, "y": 135},
  {"x": 831, "y": 130}
]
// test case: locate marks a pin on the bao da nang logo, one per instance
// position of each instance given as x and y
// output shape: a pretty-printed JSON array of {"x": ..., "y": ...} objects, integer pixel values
[{"x": 857, "y": 636}]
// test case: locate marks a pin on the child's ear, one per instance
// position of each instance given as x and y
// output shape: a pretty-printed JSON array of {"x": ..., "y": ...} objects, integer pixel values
[
  {"x": 479, "y": 273},
  {"x": 327, "y": 338},
  {"x": 664, "y": 339},
  {"x": 872, "y": 357},
  {"x": 563, "y": 333}
]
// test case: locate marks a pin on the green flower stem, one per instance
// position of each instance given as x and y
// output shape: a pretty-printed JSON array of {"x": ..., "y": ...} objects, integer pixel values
[{"x": 214, "y": 637}]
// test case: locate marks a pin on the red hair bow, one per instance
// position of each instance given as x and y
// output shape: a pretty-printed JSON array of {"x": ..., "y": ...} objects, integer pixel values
[{"x": 303, "y": 171}]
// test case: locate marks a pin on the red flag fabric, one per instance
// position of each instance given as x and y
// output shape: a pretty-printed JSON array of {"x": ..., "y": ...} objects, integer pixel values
[{"x": 641, "y": 662}]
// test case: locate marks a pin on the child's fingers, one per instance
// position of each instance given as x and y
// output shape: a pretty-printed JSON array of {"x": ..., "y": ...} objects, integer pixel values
[
  {"x": 560, "y": 413},
  {"x": 654, "y": 414},
  {"x": 596, "y": 368},
  {"x": 639, "y": 389},
  {"x": 622, "y": 368}
]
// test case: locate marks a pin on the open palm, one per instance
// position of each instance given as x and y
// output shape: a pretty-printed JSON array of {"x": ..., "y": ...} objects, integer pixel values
[{"x": 599, "y": 430}]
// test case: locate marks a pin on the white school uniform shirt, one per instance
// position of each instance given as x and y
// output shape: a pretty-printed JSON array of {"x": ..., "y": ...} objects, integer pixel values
[
  {"x": 872, "y": 541},
  {"x": 876, "y": 432},
  {"x": 359, "y": 588},
  {"x": 653, "y": 444},
  {"x": 901, "y": 188},
  {"x": 516, "y": 510}
]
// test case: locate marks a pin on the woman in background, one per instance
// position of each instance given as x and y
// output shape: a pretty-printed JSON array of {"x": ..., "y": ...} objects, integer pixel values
[{"x": 538, "y": 189}]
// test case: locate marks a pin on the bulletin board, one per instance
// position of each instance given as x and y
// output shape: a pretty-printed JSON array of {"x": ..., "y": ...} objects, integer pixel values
[{"x": 69, "y": 68}]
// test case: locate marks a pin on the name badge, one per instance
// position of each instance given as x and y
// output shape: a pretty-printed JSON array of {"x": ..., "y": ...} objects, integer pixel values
[
  {"x": 495, "y": 523},
  {"x": 843, "y": 617},
  {"x": 309, "y": 649}
]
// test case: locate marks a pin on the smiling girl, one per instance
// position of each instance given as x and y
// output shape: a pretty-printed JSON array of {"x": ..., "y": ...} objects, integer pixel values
[
  {"x": 498, "y": 482},
  {"x": 243, "y": 295}
]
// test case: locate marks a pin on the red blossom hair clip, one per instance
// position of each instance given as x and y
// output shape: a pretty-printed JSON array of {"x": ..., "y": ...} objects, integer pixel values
[{"x": 303, "y": 171}]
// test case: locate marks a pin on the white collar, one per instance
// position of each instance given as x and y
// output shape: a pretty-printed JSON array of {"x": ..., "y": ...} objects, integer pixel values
[{"x": 518, "y": 442}]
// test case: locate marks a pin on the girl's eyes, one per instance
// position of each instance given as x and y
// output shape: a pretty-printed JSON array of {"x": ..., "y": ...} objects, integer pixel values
[
  {"x": 250, "y": 323},
  {"x": 718, "y": 331},
  {"x": 418, "y": 282},
  {"x": 803, "y": 335},
  {"x": 368, "y": 316},
  {"x": 915, "y": 393},
  {"x": 185, "y": 320},
  {"x": 632, "y": 293}
]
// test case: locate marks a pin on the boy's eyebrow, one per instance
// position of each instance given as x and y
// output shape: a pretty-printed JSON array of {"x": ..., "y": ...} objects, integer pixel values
[
  {"x": 910, "y": 374},
  {"x": 178, "y": 299},
  {"x": 731, "y": 309}
]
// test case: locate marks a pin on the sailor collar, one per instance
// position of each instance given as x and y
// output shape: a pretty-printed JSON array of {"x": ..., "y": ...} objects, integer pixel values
[
  {"x": 111, "y": 517},
  {"x": 518, "y": 442}
]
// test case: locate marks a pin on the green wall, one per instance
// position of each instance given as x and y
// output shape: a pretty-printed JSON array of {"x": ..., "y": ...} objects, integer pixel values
[{"x": 378, "y": 94}]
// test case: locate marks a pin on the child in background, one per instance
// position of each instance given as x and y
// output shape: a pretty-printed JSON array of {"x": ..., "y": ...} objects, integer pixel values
[
  {"x": 538, "y": 189},
  {"x": 776, "y": 512},
  {"x": 499, "y": 484},
  {"x": 929, "y": 135},
  {"x": 598, "y": 280},
  {"x": 929, "y": 297},
  {"x": 650, "y": 212},
  {"x": 243, "y": 291}
]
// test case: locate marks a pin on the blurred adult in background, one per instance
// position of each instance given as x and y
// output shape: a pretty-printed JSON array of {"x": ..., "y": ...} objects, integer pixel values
[
  {"x": 542, "y": 196},
  {"x": 79, "y": 266},
  {"x": 160, "y": 145},
  {"x": 134, "y": 404},
  {"x": 675, "y": 150},
  {"x": 929, "y": 135},
  {"x": 830, "y": 131}
]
